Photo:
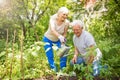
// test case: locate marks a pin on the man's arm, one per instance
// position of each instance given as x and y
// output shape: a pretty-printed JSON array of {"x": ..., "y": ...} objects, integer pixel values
[
  {"x": 91, "y": 55},
  {"x": 74, "y": 60}
]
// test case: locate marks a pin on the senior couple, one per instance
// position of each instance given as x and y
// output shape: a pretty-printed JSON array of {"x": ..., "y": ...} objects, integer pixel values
[{"x": 56, "y": 33}]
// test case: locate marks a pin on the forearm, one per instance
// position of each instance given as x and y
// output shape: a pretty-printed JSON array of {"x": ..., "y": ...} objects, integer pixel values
[
  {"x": 65, "y": 32},
  {"x": 52, "y": 28},
  {"x": 55, "y": 33},
  {"x": 75, "y": 56},
  {"x": 76, "y": 52},
  {"x": 91, "y": 55},
  {"x": 90, "y": 60}
]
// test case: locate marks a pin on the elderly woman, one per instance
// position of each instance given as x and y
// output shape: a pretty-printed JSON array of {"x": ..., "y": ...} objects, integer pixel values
[{"x": 56, "y": 33}]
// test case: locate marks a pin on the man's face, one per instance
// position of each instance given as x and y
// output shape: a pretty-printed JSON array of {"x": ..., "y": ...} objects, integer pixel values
[{"x": 77, "y": 30}]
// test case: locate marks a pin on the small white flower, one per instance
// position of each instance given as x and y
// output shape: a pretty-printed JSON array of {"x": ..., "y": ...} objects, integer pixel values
[
  {"x": 34, "y": 53},
  {"x": 38, "y": 47}
]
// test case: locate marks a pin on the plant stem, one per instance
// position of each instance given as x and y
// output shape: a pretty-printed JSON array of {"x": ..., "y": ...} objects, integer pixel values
[
  {"x": 21, "y": 51},
  {"x": 6, "y": 70},
  {"x": 12, "y": 54}
]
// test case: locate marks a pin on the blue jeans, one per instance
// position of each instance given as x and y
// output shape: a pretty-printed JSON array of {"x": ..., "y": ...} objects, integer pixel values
[
  {"x": 50, "y": 54},
  {"x": 95, "y": 65},
  {"x": 80, "y": 60}
]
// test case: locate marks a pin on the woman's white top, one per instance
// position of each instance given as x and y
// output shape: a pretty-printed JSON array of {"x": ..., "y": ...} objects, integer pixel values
[{"x": 59, "y": 28}]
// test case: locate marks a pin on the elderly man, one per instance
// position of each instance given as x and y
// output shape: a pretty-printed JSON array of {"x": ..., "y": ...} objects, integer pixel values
[{"x": 85, "y": 46}]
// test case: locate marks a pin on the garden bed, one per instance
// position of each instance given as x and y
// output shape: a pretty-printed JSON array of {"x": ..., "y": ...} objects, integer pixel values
[{"x": 51, "y": 77}]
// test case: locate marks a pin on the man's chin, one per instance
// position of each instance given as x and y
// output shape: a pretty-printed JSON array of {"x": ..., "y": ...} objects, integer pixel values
[{"x": 78, "y": 35}]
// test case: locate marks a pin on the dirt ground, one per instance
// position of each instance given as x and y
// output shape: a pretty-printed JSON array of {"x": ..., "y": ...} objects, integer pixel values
[
  {"x": 50, "y": 77},
  {"x": 57, "y": 78}
]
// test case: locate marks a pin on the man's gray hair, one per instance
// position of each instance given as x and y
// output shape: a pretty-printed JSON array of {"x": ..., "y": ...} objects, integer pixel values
[{"x": 77, "y": 22}]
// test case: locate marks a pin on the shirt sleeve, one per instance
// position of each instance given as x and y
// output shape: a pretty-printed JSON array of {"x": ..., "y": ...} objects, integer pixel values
[
  {"x": 89, "y": 40},
  {"x": 74, "y": 40}
]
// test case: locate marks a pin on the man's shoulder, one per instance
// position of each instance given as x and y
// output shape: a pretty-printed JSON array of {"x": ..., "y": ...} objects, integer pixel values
[
  {"x": 86, "y": 33},
  {"x": 74, "y": 36}
]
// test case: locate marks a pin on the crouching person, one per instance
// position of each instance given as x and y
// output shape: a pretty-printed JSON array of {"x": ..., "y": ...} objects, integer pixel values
[{"x": 85, "y": 46}]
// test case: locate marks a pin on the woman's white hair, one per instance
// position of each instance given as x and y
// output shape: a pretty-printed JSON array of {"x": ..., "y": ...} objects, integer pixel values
[
  {"x": 63, "y": 10},
  {"x": 77, "y": 22}
]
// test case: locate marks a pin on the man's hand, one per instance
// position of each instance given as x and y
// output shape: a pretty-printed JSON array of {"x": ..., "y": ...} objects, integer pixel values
[
  {"x": 90, "y": 60},
  {"x": 74, "y": 60}
]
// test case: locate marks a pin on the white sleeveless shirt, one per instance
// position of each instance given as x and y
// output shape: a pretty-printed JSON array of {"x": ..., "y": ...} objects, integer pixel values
[{"x": 60, "y": 29}]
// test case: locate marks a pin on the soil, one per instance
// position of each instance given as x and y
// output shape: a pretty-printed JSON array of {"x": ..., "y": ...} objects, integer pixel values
[
  {"x": 59, "y": 78},
  {"x": 51, "y": 77}
]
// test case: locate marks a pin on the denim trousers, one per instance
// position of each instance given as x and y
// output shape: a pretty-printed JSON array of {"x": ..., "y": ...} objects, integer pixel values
[
  {"x": 95, "y": 65},
  {"x": 50, "y": 55}
]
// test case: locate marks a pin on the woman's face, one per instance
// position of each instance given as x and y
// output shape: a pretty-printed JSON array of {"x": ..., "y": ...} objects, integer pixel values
[{"x": 63, "y": 16}]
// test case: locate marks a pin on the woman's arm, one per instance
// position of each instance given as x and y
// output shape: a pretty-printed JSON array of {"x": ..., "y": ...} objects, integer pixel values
[
  {"x": 52, "y": 27},
  {"x": 66, "y": 28},
  {"x": 65, "y": 31}
]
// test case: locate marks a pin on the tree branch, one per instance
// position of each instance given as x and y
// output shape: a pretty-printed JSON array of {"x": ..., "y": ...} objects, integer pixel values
[{"x": 40, "y": 15}]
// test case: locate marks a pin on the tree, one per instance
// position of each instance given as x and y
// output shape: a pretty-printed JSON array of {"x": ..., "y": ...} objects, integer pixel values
[{"x": 34, "y": 11}]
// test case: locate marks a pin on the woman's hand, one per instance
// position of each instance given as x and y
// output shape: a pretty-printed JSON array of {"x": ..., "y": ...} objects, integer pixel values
[{"x": 61, "y": 38}]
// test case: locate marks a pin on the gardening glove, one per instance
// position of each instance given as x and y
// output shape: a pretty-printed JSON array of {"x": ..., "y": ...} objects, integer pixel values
[
  {"x": 98, "y": 55},
  {"x": 61, "y": 38}
]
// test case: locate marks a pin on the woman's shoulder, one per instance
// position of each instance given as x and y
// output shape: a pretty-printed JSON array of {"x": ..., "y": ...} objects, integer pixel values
[
  {"x": 67, "y": 21},
  {"x": 53, "y": 17}
]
